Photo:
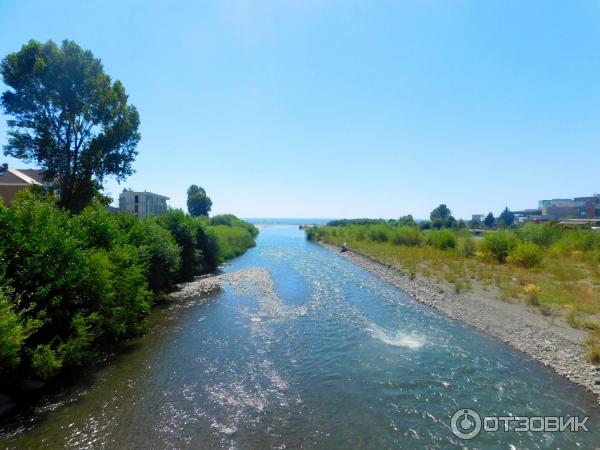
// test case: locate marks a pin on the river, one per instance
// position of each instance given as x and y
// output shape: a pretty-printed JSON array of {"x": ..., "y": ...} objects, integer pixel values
[{"x": 345, "y": 361}]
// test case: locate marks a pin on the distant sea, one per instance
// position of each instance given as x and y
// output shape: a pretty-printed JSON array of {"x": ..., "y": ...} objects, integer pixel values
[{"x": 286, "y": 221}]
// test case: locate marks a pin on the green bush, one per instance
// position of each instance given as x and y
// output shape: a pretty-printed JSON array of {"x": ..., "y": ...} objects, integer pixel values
[
  {"x": 577, "y": 240},
  {"x": 159, "y": 253},
  {"x": 88, "y": 280},
  {"x": 526, "y": 254},
  {"x": 205, "y": 243},
  {"x": 127, "y": 299},
  {"x": 499, "y": 244},
  {"x": 75, "y": 276},
  {"x": 48, "y": 267},
  {"x": 594, "y": 256},
  {"x": 543, "y": 235},
  {"x": 407, "y": 235},
  {"x": 347, "y": 222},
  {"x": 46, "y": 361},
  {"x": 233, "y": 222},
  {"x": 231, "y": 241},
  {"x": 207, "y": 249},
  {"x": 441, "y": 239},
  {"x": 379, "y": 233},
  {"x": 467, "y": 246},
  {"x": 13, "y": 332},
  {"x": 314, "y": 233},
  {"x": 182, "y": 229},
  {"x": 95, "y": 227}
]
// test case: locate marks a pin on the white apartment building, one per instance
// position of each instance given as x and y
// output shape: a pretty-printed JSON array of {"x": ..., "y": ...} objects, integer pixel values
[{"x": 142, "y": 204}]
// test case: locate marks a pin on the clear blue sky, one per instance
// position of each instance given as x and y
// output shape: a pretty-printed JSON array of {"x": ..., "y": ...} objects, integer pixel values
[{"x": 307, "y": 108}]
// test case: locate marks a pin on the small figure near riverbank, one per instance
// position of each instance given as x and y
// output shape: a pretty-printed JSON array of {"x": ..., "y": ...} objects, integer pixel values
[{"x": 344, "y": 248}]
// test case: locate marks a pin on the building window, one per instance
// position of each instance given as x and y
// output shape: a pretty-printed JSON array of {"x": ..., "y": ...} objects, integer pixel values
[
  {"x": 137, "y": 200},
  {"x": 137, "y": 208}
]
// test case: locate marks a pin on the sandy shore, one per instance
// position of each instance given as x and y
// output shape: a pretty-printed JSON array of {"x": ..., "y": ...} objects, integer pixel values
[{"x": 548, "y": 341}]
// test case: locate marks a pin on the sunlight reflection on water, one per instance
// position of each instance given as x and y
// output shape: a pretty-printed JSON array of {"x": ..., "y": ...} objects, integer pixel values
[{"x": 318, "y": 354}]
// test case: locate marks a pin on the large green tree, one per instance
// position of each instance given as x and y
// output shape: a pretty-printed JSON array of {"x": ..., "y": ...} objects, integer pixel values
[
  {"x": 198, "y": 203},
  {"x": 69, "y": 118},
  {"x": 407, "y": 221},
  {"x": 441, "y": 217},
  {"x": 441, "y": 212},
  {"x": 506, "y": 217}
]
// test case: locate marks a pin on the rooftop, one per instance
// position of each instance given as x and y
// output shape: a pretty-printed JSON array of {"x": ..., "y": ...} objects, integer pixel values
[
  {"x": 8, "y": 175},
  {"x": 125, "y": 191}
]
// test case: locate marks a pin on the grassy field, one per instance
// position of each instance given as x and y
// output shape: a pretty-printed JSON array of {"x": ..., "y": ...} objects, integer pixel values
[{"x": 553, "y": 270}]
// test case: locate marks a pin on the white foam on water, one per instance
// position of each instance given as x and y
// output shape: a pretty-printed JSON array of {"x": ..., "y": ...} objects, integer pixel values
[
  {"x": 397, "y": 339},
  {"x": 223, "y": 428}
]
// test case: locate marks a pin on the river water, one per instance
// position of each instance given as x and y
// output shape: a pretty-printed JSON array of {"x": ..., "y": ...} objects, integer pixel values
[{"x": 346, "y": 361}]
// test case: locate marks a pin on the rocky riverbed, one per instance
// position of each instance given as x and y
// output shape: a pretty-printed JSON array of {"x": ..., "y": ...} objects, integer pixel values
[
  {"x": 256, "y": 282},
  {"x": 553, "y": 344}
]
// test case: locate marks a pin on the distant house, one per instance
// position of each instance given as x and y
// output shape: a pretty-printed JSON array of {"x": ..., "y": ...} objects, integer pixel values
[
  {"x": 576, "y": 208},
  {"x": 15, "y": 180},
  {"x": 142, "y": 204},
  {"x": 477, "y": 218}
]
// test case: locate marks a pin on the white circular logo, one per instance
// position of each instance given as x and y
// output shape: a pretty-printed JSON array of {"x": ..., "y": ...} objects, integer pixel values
[{"x": 466, "y": 423}]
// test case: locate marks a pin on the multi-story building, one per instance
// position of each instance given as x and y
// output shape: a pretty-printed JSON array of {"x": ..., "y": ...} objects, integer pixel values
[
  {"x": 589, "y": 206},
  {"x": 142, "y": 204},
  {"x": 578, "y": 207}
]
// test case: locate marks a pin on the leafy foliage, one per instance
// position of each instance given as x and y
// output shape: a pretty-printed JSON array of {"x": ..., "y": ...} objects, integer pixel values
[
  {"x": 407, "y": 221},
  {"x": 13, "y": 332},
  {"x": 181, "y": 228},
  {"x": 407, "y": 235},
  {"x": 380, "y": 233},
  {"x": 489, "y": 220},
  {"x": 198, "y": 203},
  {"x": 159, "y": 253},
  {"x": 543, "y": 235},
  {"x": 442, "y": 212},
  {"x": 499, "y": 244},
  {"x": 441, "y": 239},
  {"x": 232, "y": 221},
  {"x": 467, "y": 246},
  {"x": 69, "y": 118},
  {"x": 526, "y": 254},
  {"x": 506, "y": 218},
  {"x": 71, "y": 284},
  {"x": 346, "y": 222}
]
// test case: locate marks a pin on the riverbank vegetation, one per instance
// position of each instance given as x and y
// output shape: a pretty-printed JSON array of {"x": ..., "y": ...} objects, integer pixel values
[
  {"x": 71, "y": 285},
  {"x": 554, "y": 269},
  {"x": 75, "y": 278}
]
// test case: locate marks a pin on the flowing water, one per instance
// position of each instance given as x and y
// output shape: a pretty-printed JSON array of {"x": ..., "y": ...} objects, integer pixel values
[{"x": 334, "y": 359}]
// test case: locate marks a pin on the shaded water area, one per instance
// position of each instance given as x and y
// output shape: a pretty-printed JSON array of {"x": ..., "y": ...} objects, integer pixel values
[{"x": 339, "y": 360}]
